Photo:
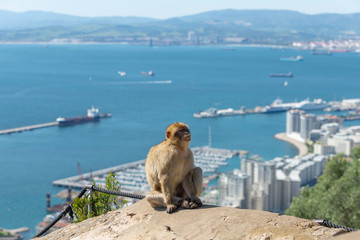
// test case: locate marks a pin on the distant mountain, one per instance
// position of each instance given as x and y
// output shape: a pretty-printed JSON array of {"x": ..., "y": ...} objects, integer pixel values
[
  {"x": 254, "y": 26},
  {"x": 282, "y": 19},
  {"x": 38, "y": 19}
]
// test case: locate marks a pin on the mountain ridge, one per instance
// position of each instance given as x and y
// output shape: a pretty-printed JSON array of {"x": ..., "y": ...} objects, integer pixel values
[{"x": 211, "y": 27}]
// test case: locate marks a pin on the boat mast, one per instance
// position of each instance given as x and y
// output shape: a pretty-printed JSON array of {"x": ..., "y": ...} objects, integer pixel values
[{"x": 209, "y": 136}]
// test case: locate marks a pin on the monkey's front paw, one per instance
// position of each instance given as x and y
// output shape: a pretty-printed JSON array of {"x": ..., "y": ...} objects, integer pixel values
[
  {"x": 171, "y": 208},
  {"x": 186, "y": 203},
  {"x": 195, "y": 203}
]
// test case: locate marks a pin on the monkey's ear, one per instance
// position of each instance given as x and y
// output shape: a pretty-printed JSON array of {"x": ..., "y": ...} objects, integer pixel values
[{"x": 168, "y": 134}]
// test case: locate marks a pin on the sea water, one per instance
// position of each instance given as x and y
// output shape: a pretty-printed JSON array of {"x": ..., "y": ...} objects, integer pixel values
[{"x": 40, "y": 83}]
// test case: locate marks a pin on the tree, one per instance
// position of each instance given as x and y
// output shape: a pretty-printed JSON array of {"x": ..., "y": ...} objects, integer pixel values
[
  {"x": 96, "y": 203},
  {"x": 336, "y": 195}
]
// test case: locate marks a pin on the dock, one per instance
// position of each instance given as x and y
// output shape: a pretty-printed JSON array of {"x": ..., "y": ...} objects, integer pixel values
[
  {"x": 28, "y": 128},
  {"x": 132, "y": 176},
  {"x": 17, "y": 230},
  {"x": 44, "y": 125}
]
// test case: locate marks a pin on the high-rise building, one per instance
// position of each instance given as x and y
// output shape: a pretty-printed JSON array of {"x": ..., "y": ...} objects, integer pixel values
[
  {"x": 269, "y": 185},
  {"x": 262, "y": 181},
  {"x": 287, "y": 186},
  {"x": 293, "y": 121},
  {"x": 191, "y": 36},
  {"x": 234, "y": 189},
  {"x": 307, "y": 123}
]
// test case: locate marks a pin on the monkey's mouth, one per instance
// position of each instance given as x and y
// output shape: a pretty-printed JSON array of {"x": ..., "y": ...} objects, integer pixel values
[{"x": 187, "y": 138}]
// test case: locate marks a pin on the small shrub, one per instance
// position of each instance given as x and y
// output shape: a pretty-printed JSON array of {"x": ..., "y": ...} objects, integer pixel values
[{"x": 97, "y": 203}]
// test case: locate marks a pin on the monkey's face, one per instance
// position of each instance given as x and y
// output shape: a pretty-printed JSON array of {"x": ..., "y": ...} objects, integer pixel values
[
  {"x": 178, "y": 132},
  {"x": 183, "y": 134}
]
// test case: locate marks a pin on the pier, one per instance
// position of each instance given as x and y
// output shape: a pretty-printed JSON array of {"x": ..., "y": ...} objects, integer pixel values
[
  {"x": 28, "y": 128},
  {"x": 132, "y": 175},
  {"x": 56, "y": 123}
]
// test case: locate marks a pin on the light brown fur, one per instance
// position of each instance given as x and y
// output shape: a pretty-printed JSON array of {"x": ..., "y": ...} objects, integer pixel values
[{"x": 171, "y": 172}]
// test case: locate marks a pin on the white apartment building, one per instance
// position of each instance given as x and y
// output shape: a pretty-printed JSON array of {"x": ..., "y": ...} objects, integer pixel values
[
  {"x": 339, "y": 141},
  {"x": 234, "y": 189},
  {"x": 268, "y": 185}
]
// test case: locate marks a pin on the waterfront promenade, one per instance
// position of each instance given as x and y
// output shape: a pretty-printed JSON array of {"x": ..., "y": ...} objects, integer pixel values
[{"x": 302, "y": 148}]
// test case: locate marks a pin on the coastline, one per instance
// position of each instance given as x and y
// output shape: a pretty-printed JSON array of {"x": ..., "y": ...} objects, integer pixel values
[
  {"x": 130, "y": 44},
  {"x": 303, "y": 150}
]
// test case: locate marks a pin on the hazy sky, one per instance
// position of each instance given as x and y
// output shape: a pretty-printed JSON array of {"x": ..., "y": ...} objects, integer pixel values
[{"x": 172, "y": 8}]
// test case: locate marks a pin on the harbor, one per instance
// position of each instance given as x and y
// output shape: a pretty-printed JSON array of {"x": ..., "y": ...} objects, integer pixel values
[
  {"x": 277, "y": 106},
  {"x": 132, "y": 175}
]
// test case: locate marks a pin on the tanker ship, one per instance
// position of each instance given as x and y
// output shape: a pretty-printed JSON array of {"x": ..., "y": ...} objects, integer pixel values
[{"x": 93, "y": 115}]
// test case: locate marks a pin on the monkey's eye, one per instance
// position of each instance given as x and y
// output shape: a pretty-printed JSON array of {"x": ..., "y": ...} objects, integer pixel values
[{"x": 183, "y": 131}]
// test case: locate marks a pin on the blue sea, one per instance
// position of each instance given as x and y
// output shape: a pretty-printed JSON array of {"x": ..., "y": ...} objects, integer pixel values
[{"x": 40, "y": 83}]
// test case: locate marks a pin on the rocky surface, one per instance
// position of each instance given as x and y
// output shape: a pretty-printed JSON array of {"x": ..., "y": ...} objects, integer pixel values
[{"x": 141, "y": 221}]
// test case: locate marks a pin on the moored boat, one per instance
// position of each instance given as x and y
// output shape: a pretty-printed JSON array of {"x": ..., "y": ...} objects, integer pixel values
[
  {"x": 211, "y": 112},
  {"x": 316, "y": 104},
  {"x": 93, "y": 115}
]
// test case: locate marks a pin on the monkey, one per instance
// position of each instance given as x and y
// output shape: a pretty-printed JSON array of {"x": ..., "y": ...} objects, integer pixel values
[{"x": 171, "y": 173}]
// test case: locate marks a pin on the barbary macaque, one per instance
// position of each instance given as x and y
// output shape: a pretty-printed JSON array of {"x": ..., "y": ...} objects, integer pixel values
[{"x": 173, "y": 178}]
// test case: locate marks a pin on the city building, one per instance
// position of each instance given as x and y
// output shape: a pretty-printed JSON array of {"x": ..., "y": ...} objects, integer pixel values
[
  {"x": 268, "y": 185},
  {"x": 305, "y": 127},
  {"x": 191, "y": 36},
  {"x": 337, "y": 140},
  {"x": 293, "y": 121},
  {"x": 234, "y": 189},
  {"x": 307, "y": 123}
]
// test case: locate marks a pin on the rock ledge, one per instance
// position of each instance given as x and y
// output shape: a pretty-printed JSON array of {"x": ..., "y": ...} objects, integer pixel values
[{"x": 141, "y": 221}]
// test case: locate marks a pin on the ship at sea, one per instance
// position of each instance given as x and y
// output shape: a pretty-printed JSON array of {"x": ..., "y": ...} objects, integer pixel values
[
  {"x": 316, "y": 52},
  {"x": 292, "y": 59},
  {"x": 123, "y": 74},
  {"x": 149, "y": 73},
  {"x": 288, "y": 75},
  {"x": 93, "y": 115}
]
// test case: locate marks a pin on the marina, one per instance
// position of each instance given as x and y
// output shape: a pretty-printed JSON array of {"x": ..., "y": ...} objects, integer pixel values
[{"x": 132, "y": 175}]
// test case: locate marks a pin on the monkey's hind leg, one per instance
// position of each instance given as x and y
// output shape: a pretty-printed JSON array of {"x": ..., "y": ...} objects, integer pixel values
[
  {"x": 193, "y": 187},
  {"x": 198, "y": 180},
  {"x": 156, "y": 199}
]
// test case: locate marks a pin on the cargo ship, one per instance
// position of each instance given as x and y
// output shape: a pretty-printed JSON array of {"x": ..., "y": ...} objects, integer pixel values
[
  {"x": 315, "y": 52},
  {"x": 93, "y": 115},
  {"x": 288, "y": 75},
  {"x": 149, "y": 73},
  {"x": 292, "y": 59}
]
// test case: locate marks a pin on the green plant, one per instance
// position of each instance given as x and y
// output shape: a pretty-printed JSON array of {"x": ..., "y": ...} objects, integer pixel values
[
  {"x": 4, "y": 234},
  {"x": 97, "y": 203},
  {"x": 336, "y": 195}
]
